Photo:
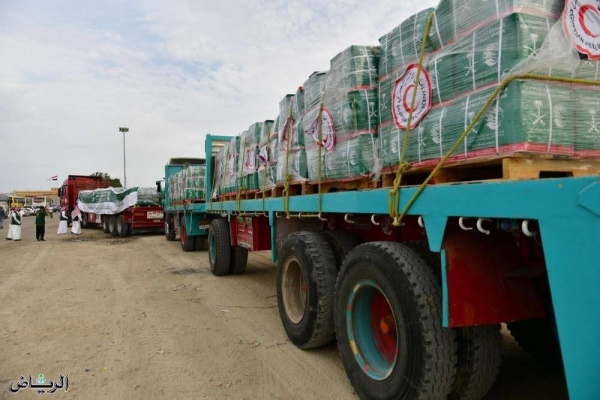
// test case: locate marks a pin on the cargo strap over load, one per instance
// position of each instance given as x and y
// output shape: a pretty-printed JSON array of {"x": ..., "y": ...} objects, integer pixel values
[{"x": 112, "y": 201}]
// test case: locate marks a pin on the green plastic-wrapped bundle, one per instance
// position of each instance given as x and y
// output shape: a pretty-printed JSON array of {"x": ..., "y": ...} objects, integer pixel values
[
  {"x": 219, "y": 174},
  {"x": 482, "y": 58},
  {"x": 267, "y": 156},
  {"x": 195, "y": 182},
  {"x": 456, "y": 19},
  {"x": 249, "y": 150},
  {"x": 354, "y": 68},
  {"x": 230, "y": 176},
  {"x": 313, "y": 89},
  {"x": 290, "y": 131},
  {"x": 587, "y": 121},
  {"x": 296, "y": 166},
  {"x": 528, "y": 116},
  {"x": 402, "y": 45},
  {"x": 349, "y": 111},
  {"x": 148, "y": 197},
  {"x": 353, "y": 158}
]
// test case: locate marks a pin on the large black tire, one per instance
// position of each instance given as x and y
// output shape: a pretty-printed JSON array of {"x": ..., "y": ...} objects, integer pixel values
[
  {"x": 187, "y": 242},
  {"x": 112, "y": 225},
  {"x": 84, "y": 220},
  {"x": 170, "y": 233},
  {"x": 479, "y": 357},
  {"x": 199, "y": 243},
  {"x": 122, "y": 226},
  {"x": 390, "y": 283},
  {"x": 341, "y": 243},
  {"x": 536, "y": 337},
  {"x": 105, "y": 224},
  {"x": 431, "y": 258},
  {"x": 239, "y": 260},
  {"x": 219, "y": 247},
  {"x": 306, "y": 273}
]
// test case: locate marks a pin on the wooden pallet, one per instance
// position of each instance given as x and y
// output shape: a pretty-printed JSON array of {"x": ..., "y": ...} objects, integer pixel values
[
  {"x": 522, "y": 166},
  {"x": 359, "y": 184}
]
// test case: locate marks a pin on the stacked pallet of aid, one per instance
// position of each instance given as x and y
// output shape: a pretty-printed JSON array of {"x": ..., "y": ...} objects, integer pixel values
[
  {"x": 472, "y": 47},
  {"x": 348, "y": 113},
  {"x": 187, "y": 184},
  {"x": 248, "y": 166},
  {"x": 267, "y": 156},
  {"x": 291, "y": 158}
]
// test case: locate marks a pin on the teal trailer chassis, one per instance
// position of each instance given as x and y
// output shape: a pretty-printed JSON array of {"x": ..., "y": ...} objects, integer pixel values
[{"x": 566, "y": 212}]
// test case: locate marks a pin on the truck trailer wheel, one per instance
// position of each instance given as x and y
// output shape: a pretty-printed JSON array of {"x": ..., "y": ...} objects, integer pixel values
[
  {"x": 388, "y": 325},
  {"x": 537, "y": 338},
  {"x": 170, "y": 228},
  {"x": 105, "y": 223},
  {"x": 479, "y": 357},
  {"x": 306, "y": 273},
  {"x": 112, "y": 225},
  {"x": 239, "y": 260},
  {"x": 341, "y": 243},
  {"x": 122, "y": 226},
  {"x": 187, "y": 242},
  {"x": 219, "y": 247},
  {"x": 199, "y": 243}
]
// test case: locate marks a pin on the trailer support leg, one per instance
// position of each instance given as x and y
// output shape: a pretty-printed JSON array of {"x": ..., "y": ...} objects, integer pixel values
[
  {"x": 273, "y": 225},
  {"x": 574, "y": 277}
]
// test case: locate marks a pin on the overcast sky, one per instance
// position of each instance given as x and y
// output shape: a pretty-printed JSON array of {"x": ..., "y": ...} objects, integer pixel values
[{"x": 73, "y": 72}]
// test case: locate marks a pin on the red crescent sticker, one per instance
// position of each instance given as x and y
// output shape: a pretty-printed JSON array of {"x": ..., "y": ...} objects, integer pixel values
[
  {"x": 402, "y": 97},
  {"x": 581, "y": 25}
]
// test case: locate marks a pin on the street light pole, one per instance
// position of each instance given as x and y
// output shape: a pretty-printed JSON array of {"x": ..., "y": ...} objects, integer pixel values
[{"x": 124, "y": 129}]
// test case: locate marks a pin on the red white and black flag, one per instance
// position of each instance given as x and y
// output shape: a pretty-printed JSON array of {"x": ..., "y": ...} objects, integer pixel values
[{"x": 54, "y": 178}]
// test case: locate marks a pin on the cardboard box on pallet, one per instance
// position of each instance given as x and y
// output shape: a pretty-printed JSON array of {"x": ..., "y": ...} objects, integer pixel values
[
  {"x": 528, "y": 116},
  {"x": 194, "y": 182},
  {"x": 355, "y": 67}
]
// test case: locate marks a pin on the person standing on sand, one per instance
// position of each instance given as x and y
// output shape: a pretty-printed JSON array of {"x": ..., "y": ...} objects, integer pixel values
[
  {"x": 40, "y": 223},
  {"x": 62, "y": 225},
  {"x": 14, "y": 232},
  {"x": 2, "y": 216},
  {"x": 76, "y": 215}
]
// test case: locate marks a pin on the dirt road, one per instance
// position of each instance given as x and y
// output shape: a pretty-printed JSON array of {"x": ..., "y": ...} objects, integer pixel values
[{"x": 138, "y": 318}]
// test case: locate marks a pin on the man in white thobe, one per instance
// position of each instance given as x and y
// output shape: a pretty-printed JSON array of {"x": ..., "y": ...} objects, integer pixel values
[
  {"x": 14, "y": 231},
  {"x": 63, "y": 224},
  {"x": 76, "y": 215}
]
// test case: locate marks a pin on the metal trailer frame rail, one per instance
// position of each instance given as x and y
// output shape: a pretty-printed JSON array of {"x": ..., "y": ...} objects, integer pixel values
[{"x": 566, "y": 209}]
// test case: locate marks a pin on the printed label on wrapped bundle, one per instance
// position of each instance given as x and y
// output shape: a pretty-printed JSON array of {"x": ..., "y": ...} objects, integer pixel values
[
  {"x": 250, "y": 163},
  {"x": 403, "y": 94},
  {"x": 288, "y": 130},
  {"x": 327, "y": 131},
  {"x": 581, "y": 24},
  {"x": 231, "y": 164},
  {"x": 263, "y": 156}
]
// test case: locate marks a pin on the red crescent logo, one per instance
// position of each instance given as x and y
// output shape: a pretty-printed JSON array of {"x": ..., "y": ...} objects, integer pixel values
[
  {"x": 405, "y": 99},
  {"x": 582, "y": 11}
]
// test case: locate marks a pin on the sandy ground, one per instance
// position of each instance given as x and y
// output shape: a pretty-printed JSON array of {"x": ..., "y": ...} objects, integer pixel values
[{"x": 138, "y": 318}]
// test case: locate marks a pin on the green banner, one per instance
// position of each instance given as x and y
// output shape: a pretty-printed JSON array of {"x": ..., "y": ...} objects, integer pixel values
[{"x": 107, "y": 201}]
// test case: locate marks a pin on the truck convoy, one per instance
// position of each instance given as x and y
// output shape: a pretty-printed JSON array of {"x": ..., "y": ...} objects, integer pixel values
[{"x": 420, "y": 193}]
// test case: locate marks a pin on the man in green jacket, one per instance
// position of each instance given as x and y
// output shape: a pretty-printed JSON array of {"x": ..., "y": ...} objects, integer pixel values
[{"x": 40, "y": 223}]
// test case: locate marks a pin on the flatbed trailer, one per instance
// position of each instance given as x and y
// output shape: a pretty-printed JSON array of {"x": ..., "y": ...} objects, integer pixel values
[{"x": 416, "y": 309}]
